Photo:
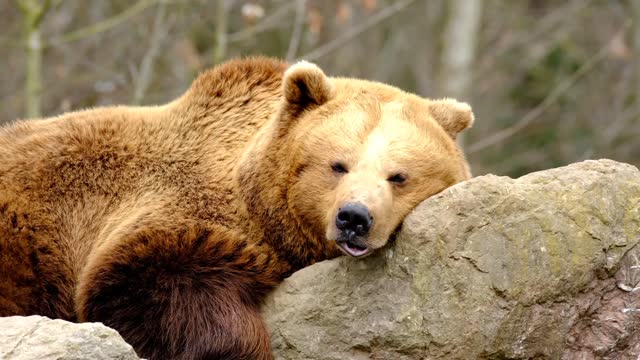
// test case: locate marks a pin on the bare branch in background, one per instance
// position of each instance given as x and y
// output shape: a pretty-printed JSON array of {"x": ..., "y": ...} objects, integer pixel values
[
  {"x": 553, "y": 96},
  {"x": 296, "y": 35},
  {"x": 270, "y": 22},
  {"x": 145, "y": 74},
  {"x": 543, "y": 26},
  {"x": 618, "y": 127},
  {"x": 103, "y": 25},
  {"x": 33, "y": 11},
  {"x": 358, "y": 29}
]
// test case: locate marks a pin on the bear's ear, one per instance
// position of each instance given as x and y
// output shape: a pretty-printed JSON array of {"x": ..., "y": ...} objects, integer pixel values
[
  {"x": 454, "y": 116},
  {"x": 305, "y": 85}
]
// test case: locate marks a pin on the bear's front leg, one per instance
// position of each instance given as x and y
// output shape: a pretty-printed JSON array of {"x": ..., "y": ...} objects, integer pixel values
[{"x": 193, "y": 293}]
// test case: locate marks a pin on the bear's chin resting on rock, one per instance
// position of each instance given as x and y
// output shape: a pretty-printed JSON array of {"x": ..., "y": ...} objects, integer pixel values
[{"x": 171, "y": 223}]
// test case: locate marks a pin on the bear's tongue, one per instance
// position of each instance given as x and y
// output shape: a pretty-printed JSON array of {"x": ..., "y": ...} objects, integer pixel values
[
  {"x": 353, "y": 246},
  {"x": 353, "y": 250}
]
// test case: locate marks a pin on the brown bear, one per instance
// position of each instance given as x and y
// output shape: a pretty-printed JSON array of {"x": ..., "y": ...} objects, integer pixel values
[{"x": 171, "y": 223}]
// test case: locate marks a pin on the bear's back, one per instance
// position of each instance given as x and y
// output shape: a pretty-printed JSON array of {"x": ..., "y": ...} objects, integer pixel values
[
  {"x": 64, "y": 180},
  {"x": 69, "y": 184}
]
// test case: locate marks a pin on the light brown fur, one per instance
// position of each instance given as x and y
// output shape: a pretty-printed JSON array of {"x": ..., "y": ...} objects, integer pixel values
[{"x": 171, "y": 223}]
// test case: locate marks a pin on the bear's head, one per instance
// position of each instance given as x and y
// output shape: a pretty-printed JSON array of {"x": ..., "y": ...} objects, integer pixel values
[{"x": 355, "y": 157}]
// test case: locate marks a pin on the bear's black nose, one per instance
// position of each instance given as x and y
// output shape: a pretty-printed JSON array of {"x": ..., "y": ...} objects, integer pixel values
[{"x": 354, "y": 217}]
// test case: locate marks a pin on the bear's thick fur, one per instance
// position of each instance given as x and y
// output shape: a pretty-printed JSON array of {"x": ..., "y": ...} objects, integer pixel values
[{"x": 171, "y": 223}]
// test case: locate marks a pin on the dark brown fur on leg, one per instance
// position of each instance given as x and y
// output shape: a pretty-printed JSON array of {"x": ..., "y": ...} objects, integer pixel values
[
  {"x": 182, "y": 294},
  {"x": 34, "y": 279}
]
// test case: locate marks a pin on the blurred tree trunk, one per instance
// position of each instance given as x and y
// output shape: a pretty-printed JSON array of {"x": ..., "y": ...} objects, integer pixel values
[
  {"x": 635, "y": 13},
  {"x": 222, "y": 25},
  {"x": 459, "y": 49},
  {"x": 426, "y": 69},
  {"x": 33, "y": 11},
  {"x": 296, "y": 33}
]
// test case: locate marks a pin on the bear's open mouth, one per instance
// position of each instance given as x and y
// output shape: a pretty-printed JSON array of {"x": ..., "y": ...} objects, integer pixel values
[
  {"x": 354, "y": 249},
  {"x": 351, "y": 244}
]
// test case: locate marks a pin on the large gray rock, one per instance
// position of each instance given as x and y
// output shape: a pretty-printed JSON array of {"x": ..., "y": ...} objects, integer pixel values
[
  {"x": 37, "y": 337},
  {"x": 546, "y": 266}
]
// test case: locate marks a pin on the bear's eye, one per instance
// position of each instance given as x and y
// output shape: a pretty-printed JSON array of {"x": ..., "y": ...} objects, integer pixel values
[
  {"x": 397, "y": 178},
  {"x": 339, "y": 168}
]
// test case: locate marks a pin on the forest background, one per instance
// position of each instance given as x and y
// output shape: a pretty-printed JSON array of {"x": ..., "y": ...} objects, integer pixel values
[{"x": 551, "y": 82}]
